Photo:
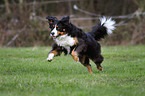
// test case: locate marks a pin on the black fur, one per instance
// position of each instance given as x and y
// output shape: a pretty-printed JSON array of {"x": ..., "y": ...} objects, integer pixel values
[
  {"x": 87, "y": 47},
  {"x": 98, "y": 32}
]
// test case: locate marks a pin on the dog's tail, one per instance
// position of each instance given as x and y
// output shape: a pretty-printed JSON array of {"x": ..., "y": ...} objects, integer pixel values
[{"x": 105, "y": 27}]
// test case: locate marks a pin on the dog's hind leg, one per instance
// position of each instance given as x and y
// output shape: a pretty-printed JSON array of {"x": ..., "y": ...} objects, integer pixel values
[
  {"x": 89, "y": 68},
  {"x": 98, "y": 62},
  {"x": 99, "y": 67},
  {"x": 85, "y": 61}
]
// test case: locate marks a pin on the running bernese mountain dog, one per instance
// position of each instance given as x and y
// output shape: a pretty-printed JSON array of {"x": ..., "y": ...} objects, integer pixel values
[{"x": 72, "y": 40}]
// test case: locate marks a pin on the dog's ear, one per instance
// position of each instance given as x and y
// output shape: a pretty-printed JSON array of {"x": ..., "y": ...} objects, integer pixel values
[
  {"x": 65, "y": 20},
  {"x": 51, "y": 19}
]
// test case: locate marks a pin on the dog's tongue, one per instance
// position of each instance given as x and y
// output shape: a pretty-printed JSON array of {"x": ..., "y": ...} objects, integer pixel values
[{"x": 54, "y": 37}]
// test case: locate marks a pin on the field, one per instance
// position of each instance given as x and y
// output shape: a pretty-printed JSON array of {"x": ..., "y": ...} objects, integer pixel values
[{"x": 25, "y": 72}]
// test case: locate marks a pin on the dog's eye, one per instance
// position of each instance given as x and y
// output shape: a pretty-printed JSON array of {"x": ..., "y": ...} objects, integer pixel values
[
  {"x": 57, "y": 28},
  {"x": 53, "y": 26}
]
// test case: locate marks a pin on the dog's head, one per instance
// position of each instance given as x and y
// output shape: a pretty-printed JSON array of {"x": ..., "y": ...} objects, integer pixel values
[{"x": 58, "y": 27}]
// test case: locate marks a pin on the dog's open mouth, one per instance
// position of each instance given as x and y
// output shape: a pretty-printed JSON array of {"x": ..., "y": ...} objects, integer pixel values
[{"x": 54, "y": 37}]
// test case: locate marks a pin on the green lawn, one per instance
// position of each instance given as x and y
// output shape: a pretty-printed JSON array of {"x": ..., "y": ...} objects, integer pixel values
[{"x": 25, "y": 72}]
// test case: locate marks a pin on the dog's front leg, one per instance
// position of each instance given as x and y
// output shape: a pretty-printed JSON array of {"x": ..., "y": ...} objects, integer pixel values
[
  {"x": 77, "y": 50},
  {"x": 56, "y": 51},
  {"x": 75, "y": 55},
  {"x": 51, "y": 55}
]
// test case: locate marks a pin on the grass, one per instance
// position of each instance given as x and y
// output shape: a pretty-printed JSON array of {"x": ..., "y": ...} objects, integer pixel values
[{"x": 25, "y": 72}]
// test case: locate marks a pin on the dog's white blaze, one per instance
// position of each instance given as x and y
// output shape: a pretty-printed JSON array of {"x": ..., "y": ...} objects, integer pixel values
[
  {"x": 108, "y": 23},
  {"x": 54, "y": 31},
  {"x": 50, "y": 56},
  {"x": 65, "y": 41}
]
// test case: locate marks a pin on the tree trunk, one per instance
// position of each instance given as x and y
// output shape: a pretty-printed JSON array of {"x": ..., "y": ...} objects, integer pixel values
[{"x": 7, "y": 6}]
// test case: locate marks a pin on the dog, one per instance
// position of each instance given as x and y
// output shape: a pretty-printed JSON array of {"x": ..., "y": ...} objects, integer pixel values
[{"x": 72, "y": 40}]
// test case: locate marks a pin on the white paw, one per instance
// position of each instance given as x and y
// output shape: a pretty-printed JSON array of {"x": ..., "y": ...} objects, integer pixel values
[{"x": 50, "y": 57}]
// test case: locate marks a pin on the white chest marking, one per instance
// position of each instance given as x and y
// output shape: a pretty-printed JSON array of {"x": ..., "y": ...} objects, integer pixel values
[{"x": 65, "y": 41}]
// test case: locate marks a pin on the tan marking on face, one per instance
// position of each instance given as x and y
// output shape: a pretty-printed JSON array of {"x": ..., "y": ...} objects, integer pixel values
[{"x": 61, "y": 33}]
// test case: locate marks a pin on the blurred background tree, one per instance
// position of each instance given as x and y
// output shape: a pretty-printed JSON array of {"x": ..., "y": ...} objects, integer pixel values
[{"x": 23, "y": 23}]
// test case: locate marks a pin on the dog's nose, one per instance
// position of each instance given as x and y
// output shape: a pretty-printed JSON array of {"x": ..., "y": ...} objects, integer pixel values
[{"x": 52, "y": 33}]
